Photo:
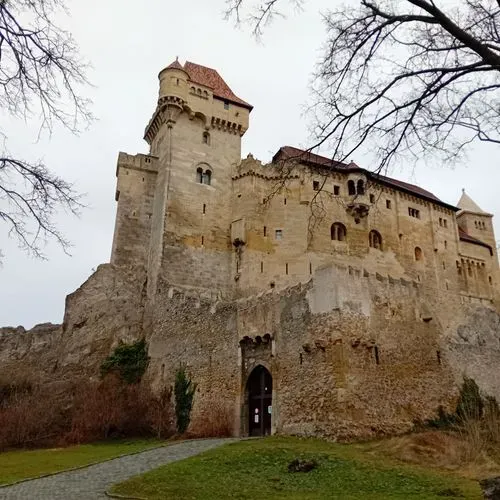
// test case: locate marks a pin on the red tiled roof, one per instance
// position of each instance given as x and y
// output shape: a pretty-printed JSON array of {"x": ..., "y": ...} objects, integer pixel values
[
  {"x": 467, "y": 237},
  {"x": 289, "y": 152},
  {"x": 210, "y": 78}
]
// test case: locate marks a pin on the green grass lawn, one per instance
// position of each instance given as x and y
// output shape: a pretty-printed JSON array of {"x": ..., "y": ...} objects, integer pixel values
[
  {"x": 258, "y": 469},
  {"x": 21, "y": 464}
]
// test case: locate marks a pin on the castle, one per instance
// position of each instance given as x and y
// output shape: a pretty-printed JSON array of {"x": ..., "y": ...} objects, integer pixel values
[{"x": 307, "y": 296}]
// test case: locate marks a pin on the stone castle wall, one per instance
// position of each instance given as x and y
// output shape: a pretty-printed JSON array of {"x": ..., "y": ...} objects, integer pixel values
[{"x": 351, "y": 353}]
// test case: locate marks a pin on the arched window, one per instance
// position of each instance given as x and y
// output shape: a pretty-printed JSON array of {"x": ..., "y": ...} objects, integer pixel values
[
  {"x": 198, "y": 91},
  {"x": 418, "y": 253},
  {"x": 351, "y": 187},
  {"x": 193, "y": 90},
  {"x": 375, "y": 239},
  {"x": 207, "y": 177},
  {"x": 361, "y": 187},
  {"x": 206, "y": 138},
  {"x": 205, "y": 94},
  {"x": 199, "y": 175},
  {"x": 338, "y": 231}
]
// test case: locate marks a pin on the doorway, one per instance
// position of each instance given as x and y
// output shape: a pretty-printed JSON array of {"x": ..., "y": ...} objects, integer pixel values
[{"x": 260, "y": 393}]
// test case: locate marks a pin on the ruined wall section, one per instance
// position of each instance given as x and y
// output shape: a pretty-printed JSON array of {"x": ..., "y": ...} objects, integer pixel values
[
  {"x": 106, "y": 309},
  {"x": 29, "y": 355},
  {"x": 136, "y": 181}
]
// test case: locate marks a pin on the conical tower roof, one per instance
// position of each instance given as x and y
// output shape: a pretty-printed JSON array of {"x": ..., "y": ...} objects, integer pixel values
[
  {"x": 467, "y": 204},
  {"x": 175, "y": 65}
]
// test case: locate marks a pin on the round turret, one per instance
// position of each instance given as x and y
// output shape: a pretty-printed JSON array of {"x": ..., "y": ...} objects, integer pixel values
[{"x": 173, "y": 82}]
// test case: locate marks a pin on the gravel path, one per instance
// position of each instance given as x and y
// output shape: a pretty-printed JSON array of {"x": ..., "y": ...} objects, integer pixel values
[{"x": 92, "y": 482}]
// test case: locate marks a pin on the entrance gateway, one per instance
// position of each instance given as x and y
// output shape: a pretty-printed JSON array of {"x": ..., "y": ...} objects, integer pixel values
[{"x": 260, "y": 393}]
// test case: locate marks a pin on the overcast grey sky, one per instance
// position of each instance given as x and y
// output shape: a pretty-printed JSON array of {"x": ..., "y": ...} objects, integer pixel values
[{"x": 128, "y": 43}]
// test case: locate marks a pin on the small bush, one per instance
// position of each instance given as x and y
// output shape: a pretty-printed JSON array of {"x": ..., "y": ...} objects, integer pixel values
[
  {"x": 161, "y": 414},
  {"x": 128, "y": 360},
  {"x": 215, "y": 421},
  {"x": 470, "y": 403},
  {"x": 184, "y": 390}
]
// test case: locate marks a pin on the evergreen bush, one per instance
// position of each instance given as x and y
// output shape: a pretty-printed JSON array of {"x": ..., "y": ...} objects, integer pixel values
[
  {"x": 184, "y": 390},
  {"x": 129, "y": 361}
]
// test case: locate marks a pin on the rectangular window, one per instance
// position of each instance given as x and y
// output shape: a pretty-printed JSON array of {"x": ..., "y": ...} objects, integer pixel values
[
  {"x": 278, "y": 234},
  {"x": 440, "y": 221},
  {"x": 445, "y": 223},
  {"x": 372, "y": 198},
  {"x": 413, "y": 212},
  {"x": 388, "y": 204},
  {"x": 284, "y": 201},
  {"x": 316, "y": 185},
  {"x": 202, "y": 240},
  {"x": 265, "y": 231},
  {"x": 204, "y": 208},
  {"x": 336, "y": 190},
  {"x": 226, "y": 105}
]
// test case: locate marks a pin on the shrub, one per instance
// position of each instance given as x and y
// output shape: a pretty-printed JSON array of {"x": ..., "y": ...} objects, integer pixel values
[
  {"x": 160, "y": 413},
  {"x": 470, "y": 403},
  {"x": 184, "y": 394},
  {"x": 31, "y": 419},
  {"x": 215, "y": 421},
  {"x": 109, "y": 408},
  {"x": 128, "y": 360}
]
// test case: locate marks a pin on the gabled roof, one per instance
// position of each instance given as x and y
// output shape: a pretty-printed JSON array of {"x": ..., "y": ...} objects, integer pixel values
[
  {"x": 289, "y": 152},
  {"x": 470, "y": 239},
  {"x": 467, "y": 204},
  {"x": 210, "y": 78}
]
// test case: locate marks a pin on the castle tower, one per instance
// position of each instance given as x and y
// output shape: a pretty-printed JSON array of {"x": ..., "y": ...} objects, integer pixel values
[
  {"x": 475, "y": 221},
  {"x": 195, "y": 134}
]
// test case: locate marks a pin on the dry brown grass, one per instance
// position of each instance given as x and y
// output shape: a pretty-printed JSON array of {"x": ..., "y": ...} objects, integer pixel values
[{"x": 468, "y": 449}]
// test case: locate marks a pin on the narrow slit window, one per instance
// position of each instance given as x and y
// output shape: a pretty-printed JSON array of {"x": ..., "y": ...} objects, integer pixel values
[
  {"x": 265, "y": 231},
  {"x": 262, "y": 267},
  {"x": 204, "y": 208},
  {"x": 377, "y": 355},
  {"x": 286, "y": 268},
  {"x": 310, "y": 268}
]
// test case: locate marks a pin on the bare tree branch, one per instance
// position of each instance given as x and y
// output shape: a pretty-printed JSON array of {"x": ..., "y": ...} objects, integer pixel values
[
  {"x": 401, "y": 79},
  {"x": 40, "y": 75}
]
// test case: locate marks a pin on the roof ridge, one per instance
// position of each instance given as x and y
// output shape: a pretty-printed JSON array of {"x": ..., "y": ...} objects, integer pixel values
[{"x": 328, "y": 162}]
